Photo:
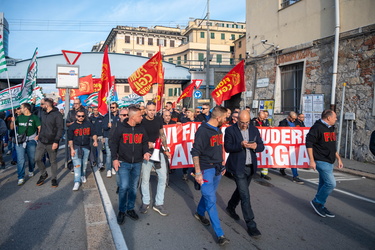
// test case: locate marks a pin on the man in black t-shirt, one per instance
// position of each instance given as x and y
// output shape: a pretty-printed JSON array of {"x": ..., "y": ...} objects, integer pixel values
[{"x": 154, "y": 129}]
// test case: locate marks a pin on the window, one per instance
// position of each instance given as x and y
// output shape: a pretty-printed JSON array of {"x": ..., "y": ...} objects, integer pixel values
[
  {"x": 140, "y": 40},
  {"x": 222, "y": 36},
  {"x": 202, "y": 34},
  {"x": 170, "y": 92},
  {"x": 150, "y": 41},
  {"x": 239, "y": 44},
  {"x": 170, "y": 60},
  {"x": 240, "y": 57},
  {"x": 127, "y": 39},
  {"x": 227, "y": 25},
  {"x": 212, "y": 35},
  {"x": 219, "y": 58},
  {"x": 161, "y": 42},
  {"x": 177, "y": 91},
  {"x": 232, "y": 37},
  {"x": 171, "y": 43},
  {"x": 127, "y": 52},
  {"x": 185, "y": 58},
  {"x": 231, "y": 61},
  {"x": 291, "y": 84},
  {"x": 286, "y": 3},
  {"x": 149, "y": 55},
  {"x": 126, "y": 89},
  {"x": 201, "y": 57},
  {"x": 179, "y": 60},
  {"x": 139, "y": 54}
]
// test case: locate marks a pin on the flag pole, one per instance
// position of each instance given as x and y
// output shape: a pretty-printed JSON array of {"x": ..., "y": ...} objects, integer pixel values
[{"x": 11, "y": 104}]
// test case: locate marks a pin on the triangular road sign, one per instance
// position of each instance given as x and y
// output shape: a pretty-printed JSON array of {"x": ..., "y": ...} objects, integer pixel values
[{"x": 71, "y": 56}]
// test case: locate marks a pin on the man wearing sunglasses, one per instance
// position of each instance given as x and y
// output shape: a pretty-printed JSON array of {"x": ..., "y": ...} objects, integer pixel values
[
  {"x": 107, "y": 125},
  {"x": 206, "y": 114},
  {"x": 79, "y": 136},
  {"x": 77, "y": 106}
]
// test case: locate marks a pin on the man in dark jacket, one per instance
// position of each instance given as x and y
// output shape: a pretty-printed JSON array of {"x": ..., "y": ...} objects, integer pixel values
[
  {"x": 77, "y": 106},
  {"x": 300, "y": 122},
  {"x": 110, "y": 120},
  {"x": 290, "y": 122},
  {"x": 129, "y": 147},
  {"x": 96, "y": 153},
  {"x": 242, "y": 141},
  {"x": 207, "y": 153},
  {"x": 79, "y": 136},
  {"x": 205, "y": 115},
  {"x": 321, "y": 148},
  {"x": 51, "y": 131}
]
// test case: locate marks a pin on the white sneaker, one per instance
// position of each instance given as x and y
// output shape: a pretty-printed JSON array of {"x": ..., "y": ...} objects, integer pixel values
[
  {"x": 9, "y": 152},
  {"x": 113, "y": 171},
  {"x": 21, "y": 182},
  {"x": 31, "y": 174},
  {"x": 76, "y": 186},
  {"x": 83, "y": 179},
  {"x": 109, "y": 173}
]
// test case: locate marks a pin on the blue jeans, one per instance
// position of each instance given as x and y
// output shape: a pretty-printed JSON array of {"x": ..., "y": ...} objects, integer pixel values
[
  {"x": 128, "y": 182},
  {"x": 208, "y": 200},
  {"x": 327, "y": 181},
  {"x": 21, "y": 159},
  {"x": 242, "y": 194},
  {"x": 162, "y": 181},
  {"x": 108, "y": 160},
  {"x": 294, "y": 172},
  {"x": 80, "y": 164}
]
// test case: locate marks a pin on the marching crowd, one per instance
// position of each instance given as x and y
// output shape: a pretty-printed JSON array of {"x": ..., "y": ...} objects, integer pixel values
[{"x": 133, "y": 142}]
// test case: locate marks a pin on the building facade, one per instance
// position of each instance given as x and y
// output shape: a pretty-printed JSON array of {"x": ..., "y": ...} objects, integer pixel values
[{"x": 291, "y": 59}]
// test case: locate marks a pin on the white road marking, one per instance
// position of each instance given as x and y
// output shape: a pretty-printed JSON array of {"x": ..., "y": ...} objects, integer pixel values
[{"x": 117, "y": 235}]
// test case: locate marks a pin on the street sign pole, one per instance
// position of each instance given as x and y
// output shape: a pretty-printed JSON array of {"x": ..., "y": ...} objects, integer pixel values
[{"x": 67, "y": 108}]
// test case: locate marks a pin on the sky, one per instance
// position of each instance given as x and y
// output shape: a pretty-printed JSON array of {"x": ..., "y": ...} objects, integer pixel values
[{"x": 55, "y": 25}]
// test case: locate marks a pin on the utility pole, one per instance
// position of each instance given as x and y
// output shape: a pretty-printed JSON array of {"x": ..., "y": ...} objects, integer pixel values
[{"x": 208, "y": 52}]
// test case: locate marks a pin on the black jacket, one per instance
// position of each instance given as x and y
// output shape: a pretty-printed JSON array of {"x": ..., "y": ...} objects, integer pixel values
[
  {"x": 81, "y": 134},
  {"x": 323, "y": 142},
  {"x": 128, "y": 143},
  {"x": 203, "y": 118},
  {"x": 106, "y": 129},
  {"x": 98, "y": 124},
  {"x": 284, "y": 123},
  {"x": 52, "y": 126},
  {"x": 237, "y": 154},
  {"x": 299, "y": 123},
  {"x": 208, "y": 146},
  {"x": 72, "y": 114}
]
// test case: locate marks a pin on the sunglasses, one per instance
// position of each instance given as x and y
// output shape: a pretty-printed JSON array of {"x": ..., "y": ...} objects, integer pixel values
[
  {"x": 80, "y": 116},
  {"x": 113, "y": 107},
  {"x": 123, "y": 115},
  {"x": 76, "y": 103},
  {"x": 204, "y": 108}
]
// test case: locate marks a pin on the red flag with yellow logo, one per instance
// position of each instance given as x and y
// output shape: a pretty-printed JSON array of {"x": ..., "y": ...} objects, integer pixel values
[
  {"x": 106, "y": 84},
  {"x": 188, "y": 91},
  {"x": 232, "y": 83},
  {"x": 86, "y": 86},
  {"x": 142, "y": 79}
]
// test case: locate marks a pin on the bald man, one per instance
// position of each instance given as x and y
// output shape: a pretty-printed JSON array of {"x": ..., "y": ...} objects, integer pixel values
[{"x": 242, "y": 141}]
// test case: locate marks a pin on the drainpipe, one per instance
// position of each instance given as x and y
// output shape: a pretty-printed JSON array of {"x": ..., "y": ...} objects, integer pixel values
[{"x": 335, "y": 54}]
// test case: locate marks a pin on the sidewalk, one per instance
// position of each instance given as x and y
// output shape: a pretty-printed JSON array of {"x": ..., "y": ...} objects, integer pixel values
[
  {"x": 358, "y": 168},
  {"x": 42, "y": 217}
]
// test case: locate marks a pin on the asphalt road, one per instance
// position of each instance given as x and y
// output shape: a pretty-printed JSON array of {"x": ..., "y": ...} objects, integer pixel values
[{"x": 282, "y": 211}]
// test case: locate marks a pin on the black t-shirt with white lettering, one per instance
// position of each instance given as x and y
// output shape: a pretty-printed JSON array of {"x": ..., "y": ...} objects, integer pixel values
[{"x": 152, "y": 127}]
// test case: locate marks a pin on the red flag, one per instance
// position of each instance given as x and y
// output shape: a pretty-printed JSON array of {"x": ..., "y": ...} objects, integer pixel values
[
  {"x": 142, "y": 79},
  {"x": 106, "y": 84},
  {"x": 159, "y": 96},
  {"x": 232, "y": 83},
  {"x": 85, "y": 87},
  {"x": 188, "y": 91}
]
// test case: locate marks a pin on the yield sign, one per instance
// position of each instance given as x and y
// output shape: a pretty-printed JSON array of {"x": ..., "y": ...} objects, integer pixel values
[{"x": 71, "y": 56}]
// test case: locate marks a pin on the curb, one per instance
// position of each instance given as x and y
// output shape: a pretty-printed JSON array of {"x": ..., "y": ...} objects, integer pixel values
[
  {"x": 97, "y": 229},
  {"x": 355, "y": 172}
]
